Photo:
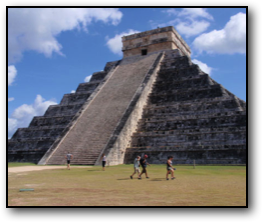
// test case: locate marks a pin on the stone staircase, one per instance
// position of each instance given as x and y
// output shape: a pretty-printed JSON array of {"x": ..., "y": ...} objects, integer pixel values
[
  {"x": 90, "y": 134},
  {"x": 190, "y": 116}
]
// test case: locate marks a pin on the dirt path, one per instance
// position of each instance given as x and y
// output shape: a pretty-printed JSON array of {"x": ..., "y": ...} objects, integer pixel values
[{"x": 35, "y": 168}]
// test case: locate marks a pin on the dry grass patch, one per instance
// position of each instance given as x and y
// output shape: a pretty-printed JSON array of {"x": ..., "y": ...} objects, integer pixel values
[{"x": 203, "y": 186}]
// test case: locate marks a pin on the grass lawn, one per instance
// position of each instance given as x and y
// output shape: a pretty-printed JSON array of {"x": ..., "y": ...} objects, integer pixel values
[
  {"x": 20, "y": 164},
  {"x": 203, "y": 186}
]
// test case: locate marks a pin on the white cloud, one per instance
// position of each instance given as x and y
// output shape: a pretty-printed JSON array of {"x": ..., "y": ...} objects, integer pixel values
[
  {"x": 203, "y": 66},
  {"x": 171, "y": 11},
  {"x": 188, "y": 21},
  {"x": 12, "y": 127},
  {"x": 37, "y": 28},
  {"x": 73, "y": 91},
  {"x": 229, "y": 40},
  {"x": 11, "y": 99},
  {"x": 192, "y": 28},
  {"x": 23, "y": 115},
  {"x": 11, "y": 74},
  {"x": 87, "y": 79},
  {"x": 190, "y": 13},
  {"x": 195, "y": 12},
  {"x": 115, "y": 43}
]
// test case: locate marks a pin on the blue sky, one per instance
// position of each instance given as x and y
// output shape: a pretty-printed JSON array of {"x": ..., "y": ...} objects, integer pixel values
[{"x": 48, "y": 57}]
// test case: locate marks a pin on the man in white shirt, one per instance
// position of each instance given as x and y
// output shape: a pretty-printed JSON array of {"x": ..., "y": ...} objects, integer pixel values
[
  {"x": 68, "y": 157},
  {"x": 103, "y": 161},
  {"x": 136, "y": 166}
]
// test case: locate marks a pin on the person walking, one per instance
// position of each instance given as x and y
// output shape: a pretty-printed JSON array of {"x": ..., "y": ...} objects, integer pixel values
[
  {"x": 169, "y": 167},
  {"x": 136, "y": 166},
  {"x": 144, "y": 163},
  {"x": 103, "y": 161},
  {"x": 68, "y": 157}
]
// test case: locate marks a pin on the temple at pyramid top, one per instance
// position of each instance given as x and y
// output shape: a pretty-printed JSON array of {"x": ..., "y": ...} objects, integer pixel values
[{"x": 155, "y": 40}]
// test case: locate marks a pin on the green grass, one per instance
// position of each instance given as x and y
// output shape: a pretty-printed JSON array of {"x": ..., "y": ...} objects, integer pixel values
[
  {"x": 203, "y": 186},
  {"x": 20, "y": 164}
]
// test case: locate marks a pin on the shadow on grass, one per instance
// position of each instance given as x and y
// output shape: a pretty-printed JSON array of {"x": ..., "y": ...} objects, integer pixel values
[
  {"x": 158, "y": 179},
  {"x": 96, "y": 170},
  {"x": 154, "y": 179}
]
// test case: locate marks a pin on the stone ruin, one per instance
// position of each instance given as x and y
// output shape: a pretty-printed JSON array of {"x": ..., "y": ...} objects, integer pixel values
[{"x": 154, "y": 101}]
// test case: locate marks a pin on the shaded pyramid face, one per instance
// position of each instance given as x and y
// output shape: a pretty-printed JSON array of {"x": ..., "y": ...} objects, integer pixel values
[{"x": 191, "y": 117}]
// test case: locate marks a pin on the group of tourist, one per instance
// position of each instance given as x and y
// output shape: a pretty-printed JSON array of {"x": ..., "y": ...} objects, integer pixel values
[
  {"x": 137, "y": 163},
  {"x": 143, "y": 163}
]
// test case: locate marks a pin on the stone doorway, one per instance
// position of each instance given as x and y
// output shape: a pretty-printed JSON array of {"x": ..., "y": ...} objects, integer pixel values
[{"x": 144, "y": 52}]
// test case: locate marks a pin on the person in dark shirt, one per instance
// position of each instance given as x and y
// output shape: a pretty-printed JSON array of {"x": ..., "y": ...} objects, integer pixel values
[
  {"x": 144, "y": 163},
  {"x": 169, "y": 167}
]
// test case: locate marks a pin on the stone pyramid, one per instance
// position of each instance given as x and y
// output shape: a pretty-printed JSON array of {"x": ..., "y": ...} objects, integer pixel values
[{"x": 154, "y": 101}]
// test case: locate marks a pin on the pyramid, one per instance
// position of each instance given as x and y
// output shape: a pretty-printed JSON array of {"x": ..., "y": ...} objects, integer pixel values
[{"x": 154, "y": 101}]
